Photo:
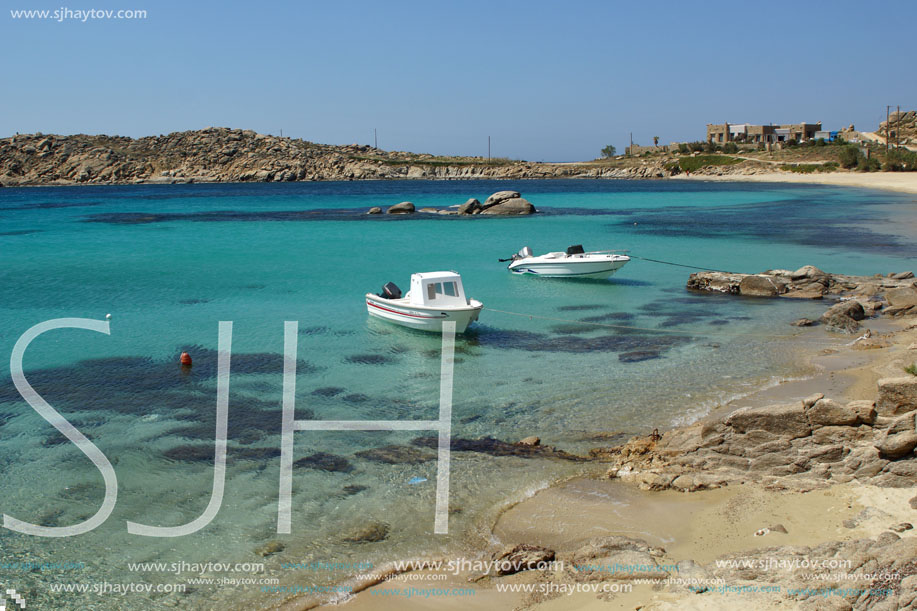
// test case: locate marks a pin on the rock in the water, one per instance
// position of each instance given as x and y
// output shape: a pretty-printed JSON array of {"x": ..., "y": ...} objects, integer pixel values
[
  {"x": 804, "y": 294},
  {"x": 430, "y": 210},
  {"x": 375, "y": 210},
  {"x": 522, "y": 558},
  {"x": 897, "y": 445},
  {"x": 903, "y": 275},
  {"x": 395, "y": 455},
  {"x": 402, "y": 208},
  {"x": 500, "y": 196},
  {"x": 530, "y": 441},
  {"x": 826, "y": 412},
  {"x": 370, "y": 533},
  {"x": 636, "y": 356},
  {"x": 897, "y": 396},
  {"x": 325, "y": 462},
  {"x": 270, "y": 548},
  {"x": 803, "y": 322},
  {"x": 844, "y": 316},
  {"x": 761, "y": 286},
  {"x": 470, "y": 207},
  {"x": 511, "y": 207}
]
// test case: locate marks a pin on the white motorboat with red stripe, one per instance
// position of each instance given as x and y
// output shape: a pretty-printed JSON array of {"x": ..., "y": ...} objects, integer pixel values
[
  {"x": 434, "y": 297},
  {"x": 575, "y": 263}
]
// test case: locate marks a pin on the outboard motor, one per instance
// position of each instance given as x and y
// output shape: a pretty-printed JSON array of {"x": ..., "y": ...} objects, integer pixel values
[
  {"x": 576, "y": 249},
  {"x": 522, "y": 254},
  {"x": 390, "y": 291}
]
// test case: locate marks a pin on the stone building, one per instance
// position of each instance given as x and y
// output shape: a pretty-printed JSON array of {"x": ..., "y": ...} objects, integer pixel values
[{"x": 745, "y": 133}]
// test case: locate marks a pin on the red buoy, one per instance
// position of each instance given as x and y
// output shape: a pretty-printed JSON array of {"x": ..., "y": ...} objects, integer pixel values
[{"x": 185, "y": 359}]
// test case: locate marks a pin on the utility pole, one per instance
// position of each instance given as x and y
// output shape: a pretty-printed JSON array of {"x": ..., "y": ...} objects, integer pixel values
[
  {"x": 887, "y": 110},
  {"x": 281, "y": 132}
]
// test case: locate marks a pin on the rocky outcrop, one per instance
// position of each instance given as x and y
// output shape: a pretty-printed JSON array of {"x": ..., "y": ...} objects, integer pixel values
[
  {"x": 803, "y": 445},
  {"x": 897, "y": 396},
  {"x": 861, "y": 296}
]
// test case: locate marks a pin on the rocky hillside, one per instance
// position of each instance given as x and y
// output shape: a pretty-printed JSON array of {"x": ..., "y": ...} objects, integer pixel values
[
  {"x": 233, "y": 155},
  {"x": 905, "y": 125}
]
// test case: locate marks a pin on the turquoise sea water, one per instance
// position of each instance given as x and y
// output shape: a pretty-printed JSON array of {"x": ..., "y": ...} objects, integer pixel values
[{"x": 558, "y": 359}]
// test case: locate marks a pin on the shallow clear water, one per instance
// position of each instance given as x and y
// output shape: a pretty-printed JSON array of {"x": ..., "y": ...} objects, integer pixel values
[{"x": 558, "y": 359}]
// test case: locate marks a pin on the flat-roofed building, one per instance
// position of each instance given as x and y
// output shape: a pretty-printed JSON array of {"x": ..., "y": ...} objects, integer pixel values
[{"x": 745, "y": 133}]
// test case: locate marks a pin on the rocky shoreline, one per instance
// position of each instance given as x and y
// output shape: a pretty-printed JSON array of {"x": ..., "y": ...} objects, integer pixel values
[{"x": 854, "y": 457}]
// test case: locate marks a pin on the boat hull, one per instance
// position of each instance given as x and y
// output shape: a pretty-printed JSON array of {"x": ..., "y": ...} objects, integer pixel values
[
  {"x": 422, "y": 318},
  {"x": 568, "y": 268}
]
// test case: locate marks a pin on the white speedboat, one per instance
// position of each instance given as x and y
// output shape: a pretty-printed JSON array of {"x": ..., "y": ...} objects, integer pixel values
[
  {"x": 575, "y": 263},
  {"x": 434, "y": 297}
]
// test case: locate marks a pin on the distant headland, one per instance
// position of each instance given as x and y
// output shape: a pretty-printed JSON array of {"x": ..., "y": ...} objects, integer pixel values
[{"x": 219, "y": 154}]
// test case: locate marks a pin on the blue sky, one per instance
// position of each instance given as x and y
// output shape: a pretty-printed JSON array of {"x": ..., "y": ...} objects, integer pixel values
[{"x": 546, "y": 80}]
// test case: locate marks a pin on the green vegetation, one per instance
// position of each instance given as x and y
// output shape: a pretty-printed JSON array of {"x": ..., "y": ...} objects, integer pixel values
[
  {"x": 609, "y": 151},
  {"x": 911, "y": 369},
  {"x": 810, "y": 168},
  {"x": 730, "y": 147},
  {"x": 901, "y": 161},
  {"x": 851, "y": 157},
  {"x": 692, "y": 164}
]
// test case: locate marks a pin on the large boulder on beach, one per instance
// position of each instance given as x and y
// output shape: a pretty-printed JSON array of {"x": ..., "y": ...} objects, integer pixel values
[
  {"x": 402, "y": 208},
  {"x": 375, "y": 210},
  {"x": 897, "y": 396},
  {"x": 897, "y": 445},
  {"x": 511, "y": 207},
  {"x": 500, "y": 196},
  {"x": 762, "y": 286},
  {"x": 904, "y": 297},
  {"x": 784, "y": 420},
  {"x": 826, "y": 412},
  {"x": 472, "y": 206}
]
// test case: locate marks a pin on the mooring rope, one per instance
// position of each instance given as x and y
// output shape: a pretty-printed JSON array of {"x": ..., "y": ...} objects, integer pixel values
[{"x": 705, "y": 269}]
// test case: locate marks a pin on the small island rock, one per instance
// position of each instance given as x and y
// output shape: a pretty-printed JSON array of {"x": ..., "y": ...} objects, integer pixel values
[{"x": 402, "y": 208}]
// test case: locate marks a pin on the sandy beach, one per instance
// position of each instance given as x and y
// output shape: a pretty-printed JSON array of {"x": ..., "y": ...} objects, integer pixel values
[{"x": 905, "y": 182}]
